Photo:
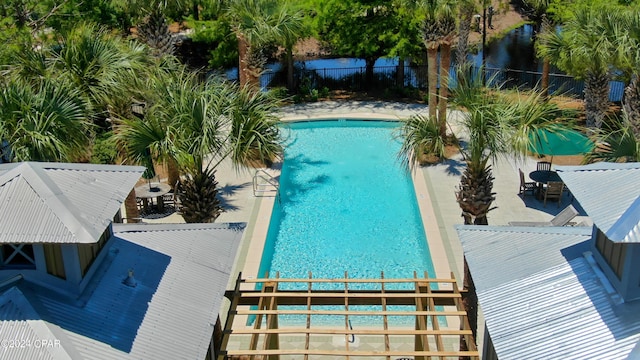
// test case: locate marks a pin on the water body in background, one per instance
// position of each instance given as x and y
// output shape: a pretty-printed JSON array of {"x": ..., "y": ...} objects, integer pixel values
[{"x": 515, "y": 51}]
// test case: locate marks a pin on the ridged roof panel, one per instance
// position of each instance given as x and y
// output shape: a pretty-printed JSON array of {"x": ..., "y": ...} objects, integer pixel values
[
  {"x": 24, "y": 335},
  {"x": 181, "y": 272},
  {"x": 541, "y": 297},
  {"x": 61, "y": 203},
  {"x": 610, "y": 194}
]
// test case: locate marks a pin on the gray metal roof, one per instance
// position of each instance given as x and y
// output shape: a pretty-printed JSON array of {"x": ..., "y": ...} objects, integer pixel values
[
  {"x": 542, "y": 298},
  {"x": 181, "y": 270},
  {"x": 60, "y": 202},
  {"x": 610, "y": 195},
  {"x": 24, "y": 335}
]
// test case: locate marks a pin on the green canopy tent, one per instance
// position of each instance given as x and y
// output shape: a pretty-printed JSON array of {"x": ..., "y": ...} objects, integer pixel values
[{"x": 559, "y": 141}]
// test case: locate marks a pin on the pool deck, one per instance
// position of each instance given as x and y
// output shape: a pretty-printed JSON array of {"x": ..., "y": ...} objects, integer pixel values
[{"x": 435, "y": 188}]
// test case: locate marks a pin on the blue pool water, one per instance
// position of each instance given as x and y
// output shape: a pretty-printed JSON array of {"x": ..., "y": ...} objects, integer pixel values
[{"x": 346, "y": 204}]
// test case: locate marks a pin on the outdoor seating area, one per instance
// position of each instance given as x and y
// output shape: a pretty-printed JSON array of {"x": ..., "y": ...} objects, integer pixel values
[
  {"x": 546, "y": 184},
  {"x": 156, "y": 198}
]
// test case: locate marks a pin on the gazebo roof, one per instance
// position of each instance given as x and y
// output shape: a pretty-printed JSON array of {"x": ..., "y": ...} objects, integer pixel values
[{"x": 60, "y": 202}]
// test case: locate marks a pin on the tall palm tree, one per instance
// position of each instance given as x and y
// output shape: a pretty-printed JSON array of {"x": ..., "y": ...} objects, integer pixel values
[
  {"x": 437, "y": 29},
  {"x": 582, "y": 51},
  {"x": 623, "y": 24},
  {"x": 257, "y": 23},
  {"x": 466, "y": 9},
  {"x": 495, "y": 125},
  {"x": 291, "y": 28},
  {"x": 543, "y": 23}
]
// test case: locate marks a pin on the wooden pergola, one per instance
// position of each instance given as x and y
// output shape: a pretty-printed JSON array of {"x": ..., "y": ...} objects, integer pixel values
[{"x": 441, "y": 322}]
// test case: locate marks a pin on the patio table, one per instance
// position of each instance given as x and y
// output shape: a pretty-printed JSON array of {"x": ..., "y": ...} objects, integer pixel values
[
  {"x": 148, "y": 192},
  {"x": 542, "y": 177}
]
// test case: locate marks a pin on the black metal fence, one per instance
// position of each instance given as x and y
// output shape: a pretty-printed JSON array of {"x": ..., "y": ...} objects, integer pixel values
[{"x": 385, "y": 77}]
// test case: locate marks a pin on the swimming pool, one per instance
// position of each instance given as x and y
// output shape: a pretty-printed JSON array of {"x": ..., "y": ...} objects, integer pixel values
[{"x": 346, "y": 204}]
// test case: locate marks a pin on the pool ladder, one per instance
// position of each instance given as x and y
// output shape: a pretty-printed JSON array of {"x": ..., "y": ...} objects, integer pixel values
[{"x": 264, "y": 183}]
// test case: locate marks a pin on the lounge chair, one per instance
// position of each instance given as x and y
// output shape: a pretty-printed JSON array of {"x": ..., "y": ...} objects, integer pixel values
[{"x": 563, "y": 218}]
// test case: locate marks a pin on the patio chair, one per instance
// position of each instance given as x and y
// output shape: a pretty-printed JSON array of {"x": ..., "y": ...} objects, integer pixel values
[
  {"x": 563, "y": 218},
  {"x": 544, "y": 166},
  {"x": 171, "y": 198},
  {"x": 526, "y": 186},
  {"x": 553, "y": 190}
]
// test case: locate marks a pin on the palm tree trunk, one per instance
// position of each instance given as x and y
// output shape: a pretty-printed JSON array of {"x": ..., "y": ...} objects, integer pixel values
[
  {"x": 545, "y": 27},
  {"x": 596, "y": 98},
  {"x": 173, "y": 173},
  {"x": 432, "y": 64},
  {"x": 464, "y": 27},
  {"x": 243, "y": 52},
  {"x": 445, "y": 63},
  {"x": 400, "y": 73},
  {"x": 289, "y": 59},
  {"x": 544, "y": 80},
  {"x": 196, "y": 10},
  {"x": 370, "y": 62}
]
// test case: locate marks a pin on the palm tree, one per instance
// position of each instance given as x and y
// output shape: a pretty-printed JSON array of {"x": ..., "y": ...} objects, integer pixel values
[
  {"x": 495, "y": 125},
  {"x": 421, "y": 138},
  {"x": 104, "y": 68},
  {"x": 199, "y": 197},
  {"x": 291, "y": 28},
  {"x": 624, "y": 26},
  {"x": 543, "y": 23},
  {"x": 257, "y": 23},
  {"x": 466, "y": 9},
  {"x": 618, "y": 143},
  {"x": 154, "y": 31},
  {"x": 45, "y": 123},
  {"x": 437, "y": 29},
  {"x": 584, "y": 51},
  {"x": 194, "y": 125}
]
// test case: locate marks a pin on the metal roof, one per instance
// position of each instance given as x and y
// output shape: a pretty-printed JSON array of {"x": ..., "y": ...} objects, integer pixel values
[
  {"x": 24, "y": 335},
  {"x": 543, "y": 298},
  {"x": 60, "y": 202},
  {"x": 181, "y": 272},
  {"x": 610, "y": 194}
]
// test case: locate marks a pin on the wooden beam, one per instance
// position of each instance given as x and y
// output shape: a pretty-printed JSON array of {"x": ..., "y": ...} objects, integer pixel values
[
  {"x": 421, "y": 340},
  {"x": 316, "y": 352},
  {"x": 352, "y": 312},
  {"x": 331, "y": 331},
  {"x": 230, "y": 317},
  {"x": 272, "y": 340},
  {"x": 385, "y": 322},
  {"x": 350, "y": 280},
  {"x": 307, "y": 335},
  {"x": 425, "y": 298}
]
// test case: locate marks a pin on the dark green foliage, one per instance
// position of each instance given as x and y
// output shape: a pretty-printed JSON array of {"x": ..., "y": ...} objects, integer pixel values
[
  {"x": 104, "y": 150},
  {"x": 154, "y": 32},
  {"x": 198, "y": 194},
  {"x": 216, "y": 38}
]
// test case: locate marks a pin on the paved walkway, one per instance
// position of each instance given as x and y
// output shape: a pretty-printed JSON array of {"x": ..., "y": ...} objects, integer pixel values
[{"x": 441, "y": 181}]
